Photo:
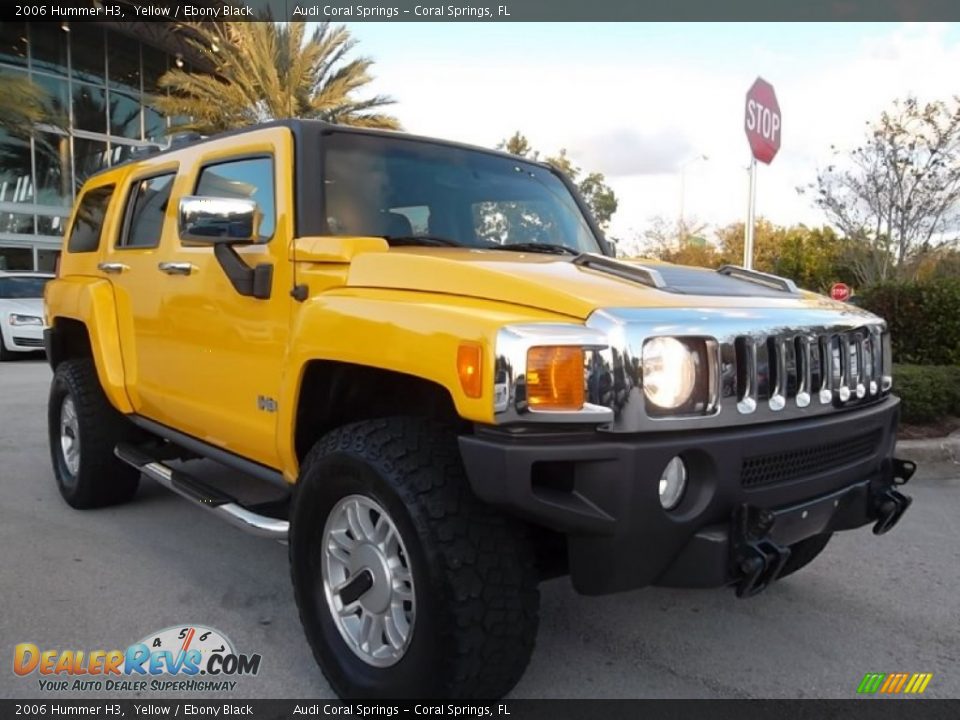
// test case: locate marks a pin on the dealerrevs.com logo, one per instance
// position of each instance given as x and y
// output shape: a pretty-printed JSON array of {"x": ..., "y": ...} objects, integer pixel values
[{"x": 188, "y": 658}]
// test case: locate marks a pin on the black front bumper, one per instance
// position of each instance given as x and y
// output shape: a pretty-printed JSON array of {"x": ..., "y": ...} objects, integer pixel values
[{"x": 772, "y": 485}]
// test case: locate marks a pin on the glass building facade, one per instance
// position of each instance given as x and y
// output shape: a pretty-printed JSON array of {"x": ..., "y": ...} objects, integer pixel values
[{"x": 98, "y": 80}]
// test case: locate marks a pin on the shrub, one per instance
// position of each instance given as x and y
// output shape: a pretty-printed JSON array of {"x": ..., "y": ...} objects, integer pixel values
[
  {"x": 924, "y": 319},
  {"x": 927, "y": 392}
]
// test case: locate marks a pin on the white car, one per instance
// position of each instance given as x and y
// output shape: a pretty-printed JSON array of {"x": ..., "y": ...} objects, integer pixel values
[{"x": 21, "y": 312}]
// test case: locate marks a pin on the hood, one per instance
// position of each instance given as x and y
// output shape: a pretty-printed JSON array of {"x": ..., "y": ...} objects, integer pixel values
[
  {"x": 555, "y": 283},
  {"x": 22, "y": 306}
]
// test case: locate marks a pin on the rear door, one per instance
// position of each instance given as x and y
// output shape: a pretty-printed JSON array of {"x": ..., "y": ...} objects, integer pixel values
[{"x": 130, "y": 262}]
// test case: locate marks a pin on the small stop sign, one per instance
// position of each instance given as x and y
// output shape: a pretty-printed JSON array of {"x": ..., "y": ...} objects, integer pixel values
[
  {"x": 840, "y": 291},
  {"x": 762, "y": 121}
]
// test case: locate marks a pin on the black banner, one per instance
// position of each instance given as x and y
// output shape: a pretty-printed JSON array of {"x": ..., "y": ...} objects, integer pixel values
[
  {"x": 507, "y": 709},
  {"x": 479, "y": 10}
]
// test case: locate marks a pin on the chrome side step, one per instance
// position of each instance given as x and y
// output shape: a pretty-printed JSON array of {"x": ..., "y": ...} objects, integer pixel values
[{"x": 204, "y": 495}]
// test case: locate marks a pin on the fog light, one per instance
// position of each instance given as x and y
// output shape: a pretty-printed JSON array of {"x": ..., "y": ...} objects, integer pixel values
[{"x": 673, "y": 482}]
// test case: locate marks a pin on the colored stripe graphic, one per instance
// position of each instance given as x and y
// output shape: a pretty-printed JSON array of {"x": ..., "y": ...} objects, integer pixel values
[
  {"x": 871, "y": 683},
  {"x": 894, "y": 683}
]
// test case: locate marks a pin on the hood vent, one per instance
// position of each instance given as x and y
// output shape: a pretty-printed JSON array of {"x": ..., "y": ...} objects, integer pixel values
[{"x": 729, "y": 280}]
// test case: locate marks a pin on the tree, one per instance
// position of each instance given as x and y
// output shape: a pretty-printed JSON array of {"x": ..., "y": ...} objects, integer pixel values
[
  {"x": 896, "y": 195},
  {"x": 23, "y": 106},
  {"x": 677, "y": 242},
  {"x": 598, "y": 196},
  {"x": 266, "y": 71},
  {"x": 814, "y": 258}
]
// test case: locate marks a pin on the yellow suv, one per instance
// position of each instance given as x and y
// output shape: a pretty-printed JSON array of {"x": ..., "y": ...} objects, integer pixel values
[{"x": 430, "y": 347}]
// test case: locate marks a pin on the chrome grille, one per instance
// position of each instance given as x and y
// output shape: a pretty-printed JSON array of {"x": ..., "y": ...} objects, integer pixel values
[
  {"x": 804, "y": 368},
  {"x": 764, "y": 364}
]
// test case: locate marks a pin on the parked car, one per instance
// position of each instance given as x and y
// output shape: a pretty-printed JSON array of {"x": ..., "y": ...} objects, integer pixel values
[
  {"x": 21, "y": 312},
  {"x": 430, "y": 347}
]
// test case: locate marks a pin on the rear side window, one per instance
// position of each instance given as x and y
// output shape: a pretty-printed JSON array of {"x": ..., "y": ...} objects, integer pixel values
[
  {"x": 88, "y": 225},
  {"x": 146, "y": 210},
  {"x": 250, "y": 178}
]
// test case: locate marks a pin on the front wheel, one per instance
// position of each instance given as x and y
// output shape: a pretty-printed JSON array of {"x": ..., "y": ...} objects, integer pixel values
[{"x": 408, "y": 585}]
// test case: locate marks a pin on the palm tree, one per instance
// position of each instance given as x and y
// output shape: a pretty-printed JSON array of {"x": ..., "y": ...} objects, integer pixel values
[
  {"x": 265, "y": 71},
  {"x": 24, "y": 105}
]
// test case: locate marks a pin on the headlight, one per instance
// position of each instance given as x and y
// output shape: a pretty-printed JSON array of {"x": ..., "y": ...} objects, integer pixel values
[
  {"x": 25, "y": 320},
  {"x": 669, "y": 372}
]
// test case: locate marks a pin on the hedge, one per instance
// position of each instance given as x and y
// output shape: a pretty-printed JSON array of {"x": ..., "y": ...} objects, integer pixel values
[
  {"x": 924, "y": 319},
  {"x": 927, "y": 392}
]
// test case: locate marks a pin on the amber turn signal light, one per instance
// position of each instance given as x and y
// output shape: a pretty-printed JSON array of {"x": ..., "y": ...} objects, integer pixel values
[
  {"x": 555, "y": 378},
  {"x": 469, "y": 369}
]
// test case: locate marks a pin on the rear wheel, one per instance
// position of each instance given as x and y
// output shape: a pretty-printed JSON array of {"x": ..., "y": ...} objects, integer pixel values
[
  {"x": 408, "y": 585},
  {"x": 83, "y": 430}
]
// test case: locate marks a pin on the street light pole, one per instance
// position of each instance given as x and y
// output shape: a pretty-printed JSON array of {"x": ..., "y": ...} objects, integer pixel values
[{"x": 751, "y": 216}]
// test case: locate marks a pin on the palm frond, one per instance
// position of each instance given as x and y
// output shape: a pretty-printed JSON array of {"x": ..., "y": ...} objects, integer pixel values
[{"x": 265, "y": 71}]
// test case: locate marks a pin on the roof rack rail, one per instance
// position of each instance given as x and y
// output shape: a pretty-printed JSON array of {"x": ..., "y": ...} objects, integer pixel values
[
  {"x": 184, "y": 138},
  {"x": 625, "y": 271},
  {"x": 759, "y": 278}
]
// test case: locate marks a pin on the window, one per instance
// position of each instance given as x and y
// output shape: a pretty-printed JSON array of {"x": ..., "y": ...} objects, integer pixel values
[
  {"x": 88, "y": 225},
  {"x": 515, "y": 221},
  {"x": 13, "y": 43},
  {"x": 21, "y": 288},
  {"x": 89, "y": 108},
  {"x": 16, "y": 184},
  {"x": 87, "y": 52},
  {"x": 16, "y": 258},
  {"x": 252, "y": 178},
  {"x": 146, "y": 210},
  {"x": 393, "y": 187},
  {"x": 52, "y": 156}
]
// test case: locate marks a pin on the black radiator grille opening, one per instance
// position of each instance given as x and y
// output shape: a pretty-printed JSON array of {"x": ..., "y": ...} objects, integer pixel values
[{"x": 795, "y": 464}]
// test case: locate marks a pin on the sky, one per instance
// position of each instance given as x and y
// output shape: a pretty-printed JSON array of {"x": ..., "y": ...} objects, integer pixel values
[{"x": 642, "y": 103}]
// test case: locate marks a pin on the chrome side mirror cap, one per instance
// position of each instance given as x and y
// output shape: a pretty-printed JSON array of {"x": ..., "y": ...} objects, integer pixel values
[{"x": 216, "y": 220}]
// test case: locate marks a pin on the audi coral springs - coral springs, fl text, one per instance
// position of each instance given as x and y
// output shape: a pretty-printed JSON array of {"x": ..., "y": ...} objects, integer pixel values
[{"x": 431, "y": 348}]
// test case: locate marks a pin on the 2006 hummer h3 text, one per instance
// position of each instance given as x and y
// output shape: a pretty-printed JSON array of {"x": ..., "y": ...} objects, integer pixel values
[{"x": 430, "y": 347}]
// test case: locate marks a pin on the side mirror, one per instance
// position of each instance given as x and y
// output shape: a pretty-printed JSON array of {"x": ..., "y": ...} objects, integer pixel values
[
  {"x": 216, "y": 220},
  {"x": 223, "y": 223}
]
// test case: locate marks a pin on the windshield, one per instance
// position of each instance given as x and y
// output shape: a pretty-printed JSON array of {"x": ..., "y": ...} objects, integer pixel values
[
  {"x": 19, "y": 288},
  {"x": 394, "y": 187}
]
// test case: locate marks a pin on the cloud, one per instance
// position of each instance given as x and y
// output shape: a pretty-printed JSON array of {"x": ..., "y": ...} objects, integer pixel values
[{"x": 624, "y": 151}]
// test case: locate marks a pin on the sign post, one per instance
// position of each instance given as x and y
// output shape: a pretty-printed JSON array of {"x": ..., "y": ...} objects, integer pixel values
[{"x": 762, "y": 123}]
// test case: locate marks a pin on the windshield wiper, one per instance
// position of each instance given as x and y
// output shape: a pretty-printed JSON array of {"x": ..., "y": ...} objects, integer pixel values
[
  {"x": 435, "y": 240},
  {"x": 551, "y": 248}
]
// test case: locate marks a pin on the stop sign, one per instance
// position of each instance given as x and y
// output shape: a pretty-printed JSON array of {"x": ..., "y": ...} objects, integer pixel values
[
  {"x": 762, "y": 121},
  {"x": 840, "y": 291}
]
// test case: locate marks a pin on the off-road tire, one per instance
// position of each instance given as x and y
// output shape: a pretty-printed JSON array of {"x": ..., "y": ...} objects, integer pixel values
[
  {"x": 101, "y": 479},
  {"x": 804, "y": 552},
  {"x": 473, "y": 567}
]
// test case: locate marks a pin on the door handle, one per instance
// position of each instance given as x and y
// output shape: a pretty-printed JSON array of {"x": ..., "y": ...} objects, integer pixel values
[
  {"x": 177, "y": 268},
  {"x": 113, "y": 268}
]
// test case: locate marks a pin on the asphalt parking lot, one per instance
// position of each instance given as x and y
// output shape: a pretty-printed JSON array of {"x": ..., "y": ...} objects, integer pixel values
[{"x": 104, "y": 579}]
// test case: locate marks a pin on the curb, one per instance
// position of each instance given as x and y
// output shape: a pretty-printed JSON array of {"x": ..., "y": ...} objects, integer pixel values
[{"x": 937, "y": 450}]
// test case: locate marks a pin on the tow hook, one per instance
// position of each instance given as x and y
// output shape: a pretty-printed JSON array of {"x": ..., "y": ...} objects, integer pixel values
[
  {"x": 889, "y": 504},
  {"x": 758, "y": 558}
]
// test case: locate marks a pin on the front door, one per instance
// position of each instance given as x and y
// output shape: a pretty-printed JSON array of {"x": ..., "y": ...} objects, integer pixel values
[{"x": 224, "y": 352}]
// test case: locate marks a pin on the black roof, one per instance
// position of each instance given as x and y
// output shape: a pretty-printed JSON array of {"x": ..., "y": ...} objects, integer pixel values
[{"x": 301, "y": 126}]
